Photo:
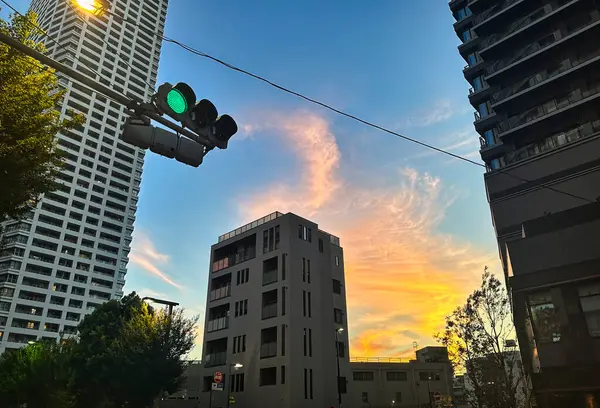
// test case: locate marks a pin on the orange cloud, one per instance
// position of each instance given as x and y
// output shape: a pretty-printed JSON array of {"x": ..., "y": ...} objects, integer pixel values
[
  {"x": 144, "y": 255},
  {"x": 402, "y": 275}
]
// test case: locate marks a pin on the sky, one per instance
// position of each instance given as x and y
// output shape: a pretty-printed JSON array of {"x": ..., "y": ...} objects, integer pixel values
[{"x": 414, "y": 224}]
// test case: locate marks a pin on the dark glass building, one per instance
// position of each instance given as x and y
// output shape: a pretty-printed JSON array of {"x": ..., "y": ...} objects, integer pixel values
[{"x": 534, "y": 70}]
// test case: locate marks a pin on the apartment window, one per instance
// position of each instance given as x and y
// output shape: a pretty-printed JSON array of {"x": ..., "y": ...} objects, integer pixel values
[
  {"x": 310, "y": 382},
  {"x": 268, "y": 376},
  {"x": 363, "y": 376},
  {"x": 429, "y": 376},
  {"x": 282, "y": 339},
  {"x": 241, "y": 308},
  {"x": 271, "y": 239},
  {"x": 283, "y": 290},
  {"x": 472, "y": 59},
  {"x": 589, "y": 297},
  {"x": 243, "y": 275},
  {"x": 483, "y": 109},
  {"x": 337, "y": 287},
  {"x": 283, "y": 262},
  {"x": 337, "y": 260},
  {"x": 306, "y": 270},
  {"x": 304, "y": 233},
  {"x": 320, "y": 245},
  {"x": 338, "y": 316},
  {"x": 309, "y": 304},
  {"x": 396, "y": 376},
  {"x": 237, "y": 382},
  {"x": 544, "y": 318},
  {"x": 239, "y": 344},
  {"x": 282, "y": 371},
  {"x": 341, "y": 349},
  {"x": 398, "y": 398},
  {"x": 365, "y": 397},
  {"x": 305, "y": 383},
  {"x": 489, "y": 137},
  {"x": 342, "y": 384},
  {"x": 477, "y": 83},
  {"x": 466, "y": 36},
  {"x": 305, "y": 341},
  {"x": 304, "y": 303}
]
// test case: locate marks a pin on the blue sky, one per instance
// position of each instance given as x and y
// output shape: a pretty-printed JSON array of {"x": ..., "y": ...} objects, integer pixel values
[{"x": 394, "y": 63}]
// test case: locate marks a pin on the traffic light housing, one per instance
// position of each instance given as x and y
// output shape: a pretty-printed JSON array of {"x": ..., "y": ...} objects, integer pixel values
[
  {"x": 179, "y": 102},
  {"x": 166, "y": 143}
]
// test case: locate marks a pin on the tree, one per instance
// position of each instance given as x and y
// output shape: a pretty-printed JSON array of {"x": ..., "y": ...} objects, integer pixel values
[
  {"x": 37, "y": 375},
  {"x": 132, "y": 350},
  {"x": 480, "y": 338},
  {"x": 125, "y": 356},
  {"x": 29, "y": 122}
]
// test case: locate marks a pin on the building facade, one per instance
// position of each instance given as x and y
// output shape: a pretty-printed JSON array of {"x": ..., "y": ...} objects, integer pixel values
[
  {"x": 533, "y": 66},
  {"x": 70, "y": 255},
  {"x": 386, "y": 383},
  {"x": 276, "y": 306}
]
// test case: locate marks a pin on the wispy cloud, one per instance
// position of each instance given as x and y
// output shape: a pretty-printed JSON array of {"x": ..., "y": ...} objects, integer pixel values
[
  {"x": 439, "y": 111},
  {"x": 144, "y": 254},
  {"x": 402, "y": 275}
]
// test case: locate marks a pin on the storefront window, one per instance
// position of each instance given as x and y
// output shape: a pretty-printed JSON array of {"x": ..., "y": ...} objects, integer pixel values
[{"x": 545, "y": 319}]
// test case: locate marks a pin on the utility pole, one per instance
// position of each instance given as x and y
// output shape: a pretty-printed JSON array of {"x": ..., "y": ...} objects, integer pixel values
[{"x": 200, "y": 129}]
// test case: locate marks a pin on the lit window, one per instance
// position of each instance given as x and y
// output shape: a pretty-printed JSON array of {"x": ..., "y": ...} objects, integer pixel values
[{"x": 546, "y": 326}]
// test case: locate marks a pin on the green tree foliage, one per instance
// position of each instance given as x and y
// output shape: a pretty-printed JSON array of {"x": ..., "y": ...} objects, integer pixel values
[
  {"x": 37, "y": 375},
  {"x": 125, "y": 356},
  {"x": 481, "y": 342},
  {"x": 29, "y": 122}
]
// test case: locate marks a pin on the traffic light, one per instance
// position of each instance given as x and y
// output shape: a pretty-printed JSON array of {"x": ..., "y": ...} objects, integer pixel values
[
  {"x": 179, "y": 102},
  {"x": 140, "y": 133}
]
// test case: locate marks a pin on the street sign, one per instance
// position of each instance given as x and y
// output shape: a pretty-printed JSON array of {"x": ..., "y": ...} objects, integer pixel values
[
  {"x": 217, "y": 386},
  {"x": 218, "y": 377},
  {"x": 437, "y": 396}
]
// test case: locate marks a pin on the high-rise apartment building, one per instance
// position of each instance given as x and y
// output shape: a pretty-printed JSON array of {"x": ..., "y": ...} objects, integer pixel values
[
  {"x": 276, "y": 305},
  {"x": 534, "y": 67},
  {"x": 70, "y": 255}
]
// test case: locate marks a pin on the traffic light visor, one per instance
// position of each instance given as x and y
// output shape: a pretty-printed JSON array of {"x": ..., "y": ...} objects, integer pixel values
[{"x": 180, "y": 98}]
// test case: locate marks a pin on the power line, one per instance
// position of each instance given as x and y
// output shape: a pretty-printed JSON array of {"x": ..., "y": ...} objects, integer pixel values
[
  {"x": 312, "y": 100},
  {"x": 338, "y": 111}
]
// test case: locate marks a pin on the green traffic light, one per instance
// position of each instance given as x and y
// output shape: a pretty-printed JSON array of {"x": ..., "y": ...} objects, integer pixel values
[{"x": 176, "y": 101}]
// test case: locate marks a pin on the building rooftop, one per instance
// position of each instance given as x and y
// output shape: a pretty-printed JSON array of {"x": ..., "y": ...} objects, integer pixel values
[{"x": 270, "y": 217}]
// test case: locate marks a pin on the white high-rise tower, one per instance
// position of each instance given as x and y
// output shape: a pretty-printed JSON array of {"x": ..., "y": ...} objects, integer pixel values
[{"x": 70, "y": 255}]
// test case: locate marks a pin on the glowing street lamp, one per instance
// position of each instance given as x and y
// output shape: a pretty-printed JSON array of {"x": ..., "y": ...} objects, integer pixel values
[{"x": 95, "y": 7}]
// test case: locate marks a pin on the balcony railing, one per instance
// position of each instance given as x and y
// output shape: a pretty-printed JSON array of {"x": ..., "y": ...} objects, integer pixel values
[
  {"x": 234, "y": 259},
  {"x": 269, "y": 277},
  {"x": 543, "y": 43},
  {"x": 268, "y": 350},
  {"x": 220, "y": 293},
  {"x": 269, "y": 311},
  {"x": 492, "y": 11},
  {"x": 538, "y": 77},
  {"x": 215, "y": 359},
  {"x": 219, "y": 323},
  {"x": 549, "y": 107},
  {"x": 523, "y": 22}
]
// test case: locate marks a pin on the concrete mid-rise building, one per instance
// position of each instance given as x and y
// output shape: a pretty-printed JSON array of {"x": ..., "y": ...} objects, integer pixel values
[
  {"x": 70, "y": 255},
  {"x": 276, "y": 306},
  {"x": 534, "y": 70}
]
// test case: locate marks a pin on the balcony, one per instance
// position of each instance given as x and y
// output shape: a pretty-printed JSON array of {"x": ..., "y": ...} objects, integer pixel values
[
  {"x": 542, "y": 44},
  {"x": 220, "y": 293},
  {"x": 268, "y": 350},
  {"x": 523, "y": 24},
  {"x": 493, "y": 12},
  {"x": 583, "y": 60},
  {"x": 234, "y": 259},
  {"x": 550, "y": 109},
  {"x": 219, "y": 323},
  {"x": 269, "y": 311},
  {"x": 269, "y": 277},
  {"x": 215, "y": 359}
]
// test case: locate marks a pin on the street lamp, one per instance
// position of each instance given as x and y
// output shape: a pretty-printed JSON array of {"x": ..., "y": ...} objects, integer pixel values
[
  {"x": 95, "y": 7},
  {"x": 429, "y": 391},
  {"x": 228, "y": 378},
  {"x": 337, "y": 357}
]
